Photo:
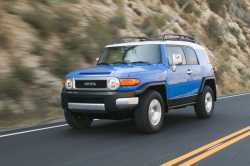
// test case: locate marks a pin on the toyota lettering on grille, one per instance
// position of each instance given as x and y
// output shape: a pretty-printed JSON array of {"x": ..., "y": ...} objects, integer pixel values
[{"x": 89, "y": 84}]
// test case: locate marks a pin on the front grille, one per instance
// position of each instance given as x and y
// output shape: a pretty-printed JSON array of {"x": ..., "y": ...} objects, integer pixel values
[
  {"x": 80, "y": 99},
  {"x": 90, "y": 84}
]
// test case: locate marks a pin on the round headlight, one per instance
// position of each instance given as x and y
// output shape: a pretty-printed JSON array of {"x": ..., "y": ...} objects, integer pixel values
[
  {"x": 113, "y": 83},
  {"x": 68, "y": 84}
]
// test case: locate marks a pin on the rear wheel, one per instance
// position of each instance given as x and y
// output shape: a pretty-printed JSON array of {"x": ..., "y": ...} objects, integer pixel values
[
  {"x": 149, "y": 116},
  {"x": 205, "y": 106},
  {"x": 77, "y": 121}
]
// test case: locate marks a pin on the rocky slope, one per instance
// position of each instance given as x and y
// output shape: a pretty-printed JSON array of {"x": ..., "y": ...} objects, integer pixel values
[{"x": 42, "y": 40}]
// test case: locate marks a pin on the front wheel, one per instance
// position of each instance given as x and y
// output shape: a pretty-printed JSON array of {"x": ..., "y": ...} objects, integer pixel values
[
  {"x": 149, "y": 116},
  {"x": 205, "y": 105},
  {"x": 77, "y": 120}
]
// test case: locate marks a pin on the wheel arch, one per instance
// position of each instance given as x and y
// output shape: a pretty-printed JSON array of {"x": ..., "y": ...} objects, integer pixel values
[
  {"x": 157, "y": 86},
  {"x": 211, "y": 82}
]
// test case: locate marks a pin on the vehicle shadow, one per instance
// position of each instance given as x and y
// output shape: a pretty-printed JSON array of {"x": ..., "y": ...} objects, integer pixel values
[{"x": 184, "y": 119}]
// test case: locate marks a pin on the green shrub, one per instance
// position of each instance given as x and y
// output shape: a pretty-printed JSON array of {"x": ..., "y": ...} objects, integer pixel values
[
  {"x": 151, "y": 31},
  {"x": 159, "y": 20},
  {"x": 41, "y": 20},
  {"x": 119, "y": 3},
  {"x": 190, "y": 8},
  {"x": 171, "y": 3},
  {"x": 21, "y": 72},
  {"x": 6, "y": 110},
  {"x": 152, "y": 23},
  {"x": 119, "y": 20},
  {"x": 38, "y": 49},
  {"x": 47, "y": 22},
  {"x": 215, "y": 30},
  {"x": 181, "y": 3},
  {"x": 11, "y": 87},
  {"x": 218, "y": 6},
  {"x": 4, "y": 40},
  {"x": 64, "y": 21},
  {"x": 64, "y": 63},
  {"x": 101, "y": 33}
]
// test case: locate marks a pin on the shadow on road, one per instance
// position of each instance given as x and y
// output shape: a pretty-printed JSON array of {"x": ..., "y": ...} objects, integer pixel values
[{"x": 174, "y": 120}]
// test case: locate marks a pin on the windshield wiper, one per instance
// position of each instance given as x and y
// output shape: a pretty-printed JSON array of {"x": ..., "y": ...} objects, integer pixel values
[
  {"x": 103, "y": 63},
  {"x": 143, "y": 62},
  {"x": 120, "y": 63}
]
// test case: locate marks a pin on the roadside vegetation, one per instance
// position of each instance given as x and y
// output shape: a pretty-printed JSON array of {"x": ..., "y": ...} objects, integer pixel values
[{"x": 42, "y": 40}]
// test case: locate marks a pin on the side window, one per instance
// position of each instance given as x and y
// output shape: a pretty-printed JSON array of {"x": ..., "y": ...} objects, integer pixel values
[
  {"x": 191, "y": 56},
  {"x": 175, "y": 50}
]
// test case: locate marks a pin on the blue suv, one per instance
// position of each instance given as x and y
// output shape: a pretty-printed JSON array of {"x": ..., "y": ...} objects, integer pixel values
[{"x": 141, "y": 80}]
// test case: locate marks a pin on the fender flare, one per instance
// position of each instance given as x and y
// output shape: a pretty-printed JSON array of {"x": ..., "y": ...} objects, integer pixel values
[
  {"x": 146, "y": 86},
  {"x": 204, "y": 80}
]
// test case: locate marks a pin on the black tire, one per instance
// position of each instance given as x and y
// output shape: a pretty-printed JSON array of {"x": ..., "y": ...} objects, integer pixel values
[
  {"x": 200, "y": 108},
  {"x": 142, "y": 112},
  {"x": 77, "y": 120}
]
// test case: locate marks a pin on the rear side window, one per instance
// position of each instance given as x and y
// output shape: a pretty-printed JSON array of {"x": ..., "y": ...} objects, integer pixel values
[
  {"x": 191, "y": 56},
  {"x": 172, "y": 50}
]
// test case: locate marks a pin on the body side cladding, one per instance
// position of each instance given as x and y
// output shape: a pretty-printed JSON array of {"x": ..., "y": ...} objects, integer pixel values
[{"x": 182, "y": 102}]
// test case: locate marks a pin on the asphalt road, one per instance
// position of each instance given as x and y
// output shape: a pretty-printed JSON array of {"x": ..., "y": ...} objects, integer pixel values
[{"x": 117, "y": 143}]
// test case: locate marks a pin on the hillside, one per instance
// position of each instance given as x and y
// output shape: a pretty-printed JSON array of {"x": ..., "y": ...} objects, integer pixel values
[{"x": 41, "y": 40}]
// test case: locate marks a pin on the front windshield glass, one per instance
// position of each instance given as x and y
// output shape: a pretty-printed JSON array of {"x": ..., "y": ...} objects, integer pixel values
[{"x": 148, "y": 54}]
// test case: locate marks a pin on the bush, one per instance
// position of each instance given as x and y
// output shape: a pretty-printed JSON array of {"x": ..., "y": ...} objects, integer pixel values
[
  {"x": 64, "y": 63},
  {"x": 100, "y": 33},
  {"x": 10, "y": 87},
  {"x": 159, "y": 20},
  {"x": 4, "y": 40},
  {"x": 41, "y": 20},
  {"x": 38, "y": 49},
  {"x": 171, "y": 3},
  {"x": 64, "y": 21},
  {"x": 22, "y": 73},
  {"x": 215, "y": 30},
  {"x": 190, "y": 8},
  {"x": 120, "y": 20},
  {"x": 218, "y": 6},
  {"x": 152, "y": 23},
  {"x": 181, "y": 3},
  {"x": 47, "y": 22},
  {"x": 119, "y": 3}
]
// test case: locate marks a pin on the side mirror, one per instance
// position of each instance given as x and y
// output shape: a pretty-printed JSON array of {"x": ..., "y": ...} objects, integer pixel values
[{"x": 177, "y": 60}]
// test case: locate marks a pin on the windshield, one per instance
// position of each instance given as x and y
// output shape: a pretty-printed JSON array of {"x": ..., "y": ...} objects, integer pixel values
[{"x": 148, "y": 54}]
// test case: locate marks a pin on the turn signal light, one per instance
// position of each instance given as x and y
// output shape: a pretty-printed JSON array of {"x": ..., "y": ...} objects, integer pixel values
[{"x": 129, "y": 82}]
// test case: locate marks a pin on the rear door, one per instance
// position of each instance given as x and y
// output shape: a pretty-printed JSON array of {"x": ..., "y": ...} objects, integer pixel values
[
  {"x": 194, "y": 70},
  {"x": 177, "y": 79}
]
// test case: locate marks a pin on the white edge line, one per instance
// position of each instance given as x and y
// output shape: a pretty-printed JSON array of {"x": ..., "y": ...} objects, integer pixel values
[
  {"x": 227, "y": 97},
  {"x": 34, "y": 130},
  {"x": 63, "y": 125}
]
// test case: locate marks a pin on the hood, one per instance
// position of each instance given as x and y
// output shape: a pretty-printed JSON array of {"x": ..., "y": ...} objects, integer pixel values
[{"x": 111, "y": 70}]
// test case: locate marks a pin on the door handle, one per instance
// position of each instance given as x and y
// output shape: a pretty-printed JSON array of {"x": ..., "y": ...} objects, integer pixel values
[{"x": 189, "y": 71}]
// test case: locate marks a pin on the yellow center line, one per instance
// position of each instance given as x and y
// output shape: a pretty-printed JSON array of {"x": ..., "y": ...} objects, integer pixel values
[
  {"x": 215, "y": 150},
  {"x": 206, "y": 147}
]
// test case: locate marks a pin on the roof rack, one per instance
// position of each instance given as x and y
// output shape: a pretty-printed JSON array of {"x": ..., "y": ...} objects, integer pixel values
[
  {"x": 166, "y": 36},
  {"x": 139, "y": 38},
  {"x": 131, "y": 39},
  {"x": 176, "y": 37}
]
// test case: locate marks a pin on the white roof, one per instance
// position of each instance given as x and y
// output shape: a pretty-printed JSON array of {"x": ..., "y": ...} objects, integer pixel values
[{"x": 167, "y": 42}]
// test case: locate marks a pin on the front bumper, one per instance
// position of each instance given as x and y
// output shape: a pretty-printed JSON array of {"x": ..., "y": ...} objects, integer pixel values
[{"x": 99, "y": 102}]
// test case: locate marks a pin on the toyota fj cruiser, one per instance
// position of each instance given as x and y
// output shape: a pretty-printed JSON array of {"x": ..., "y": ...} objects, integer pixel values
[{"x": 141, "y": 80}]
